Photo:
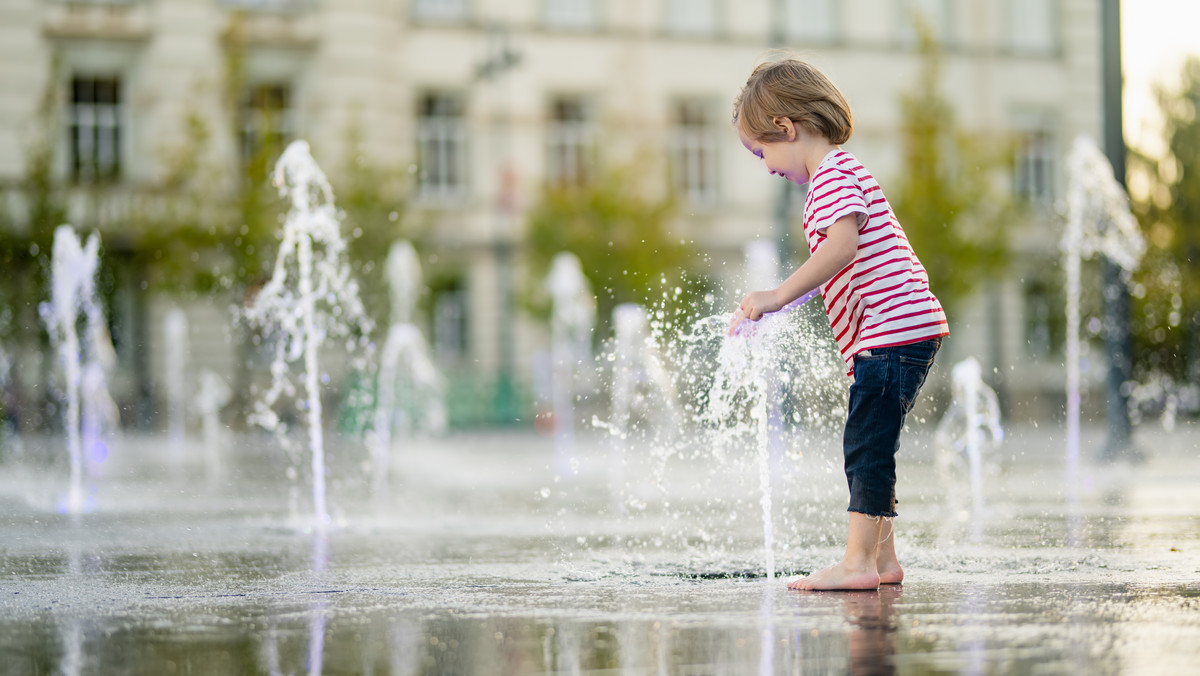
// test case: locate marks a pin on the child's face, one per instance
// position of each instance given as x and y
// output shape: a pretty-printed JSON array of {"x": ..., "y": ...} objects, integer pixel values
[{"x": 783, "y": 158}]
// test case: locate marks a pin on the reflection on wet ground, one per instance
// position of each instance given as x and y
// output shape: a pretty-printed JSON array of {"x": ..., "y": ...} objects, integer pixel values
[{"x": 482, "y": 561}]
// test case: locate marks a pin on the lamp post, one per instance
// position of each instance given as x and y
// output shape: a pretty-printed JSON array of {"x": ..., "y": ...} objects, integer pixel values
[
  {"x": 500, "y": 60},
  {"x": 1117, "y": 335}
]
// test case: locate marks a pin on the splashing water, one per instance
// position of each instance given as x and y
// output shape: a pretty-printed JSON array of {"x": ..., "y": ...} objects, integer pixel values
[
  {"x": 1098, "y": 221},
  {"x": 406, "y": 368},
  {"x": 309, "y": 298},
  {"x": 640, "y": 384},
  {"x": 712, "y": 464},
  {"x": 211, "y": 396},
  {"x": 175, "y": 331},
  {"x": 73, "y": 295},
  {"x": 749, "y": 374},
  {"x": 572, "y": 319},
  {"x": 971, "y": 425}
]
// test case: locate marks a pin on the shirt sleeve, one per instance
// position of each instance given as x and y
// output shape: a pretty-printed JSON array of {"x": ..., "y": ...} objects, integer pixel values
[{"x": 836, "y": 193}]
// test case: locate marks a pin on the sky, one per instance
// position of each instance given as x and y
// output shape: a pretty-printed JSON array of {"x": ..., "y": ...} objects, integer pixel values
[{"x": 1156, "y": 37}]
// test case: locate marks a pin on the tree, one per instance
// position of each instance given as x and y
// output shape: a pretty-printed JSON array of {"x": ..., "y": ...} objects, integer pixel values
[
  {"x": 26, "y": 244},
  {"x": 944, "y": 197},
  {"x": 1166, "y": 288},
  {"x": 374, "y": 200},
  {"x": 621, "y": 236}
]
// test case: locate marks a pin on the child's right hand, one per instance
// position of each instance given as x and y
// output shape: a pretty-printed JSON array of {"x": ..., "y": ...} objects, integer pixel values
[{"x": 754, "y": 306}]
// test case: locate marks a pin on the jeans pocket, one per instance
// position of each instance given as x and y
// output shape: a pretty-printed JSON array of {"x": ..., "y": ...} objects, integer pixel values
[
  {"x": 871, "y": 372},
  {"x": 912, "y": 376}
]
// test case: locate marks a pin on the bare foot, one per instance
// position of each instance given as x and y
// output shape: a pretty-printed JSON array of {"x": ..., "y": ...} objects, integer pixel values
[
  {"x": 886, "y": 562},
  {"x": 890, "y": 573},
  {"x": 839, "y": 577}
]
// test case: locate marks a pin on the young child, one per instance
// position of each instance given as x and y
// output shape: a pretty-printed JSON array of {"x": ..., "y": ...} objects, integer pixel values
[{"x": 887, "y": 324}]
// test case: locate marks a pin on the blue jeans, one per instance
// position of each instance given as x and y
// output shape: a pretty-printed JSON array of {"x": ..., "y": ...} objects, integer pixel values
[{"x": 886, "y": 383}]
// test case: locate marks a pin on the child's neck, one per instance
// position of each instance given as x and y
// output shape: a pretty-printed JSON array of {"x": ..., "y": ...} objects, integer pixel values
[{"x": 818, "y": 149}]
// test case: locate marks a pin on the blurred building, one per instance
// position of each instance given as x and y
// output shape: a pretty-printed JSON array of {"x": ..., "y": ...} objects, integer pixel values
[{"x": 483, "y": 101}]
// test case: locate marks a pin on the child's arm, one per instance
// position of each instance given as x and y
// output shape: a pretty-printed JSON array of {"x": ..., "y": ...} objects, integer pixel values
[{"x": 836, "y": 252}]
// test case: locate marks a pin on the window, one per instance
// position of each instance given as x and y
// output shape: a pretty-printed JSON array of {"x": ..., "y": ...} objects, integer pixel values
[
  {"x": 440, "y": 10},
  {"x": 1045, "y": 322},
  {"x": 570, "y": 142},
  {"x": 1033, "y": 26},
  {"x": 450, "y": 323},
  {"x": 694, "y": 140},
  {"x": 441, "y": 146},
  {"x": 94, "y": 127},
  {"x": 267, "y": 5},
  {"x": 266, "y": 122},
  {"x": 1033, "y": 167},
  {"x": 692, "y": 17},
  {"x": 917, "y": 16},
  {"x": 570, "y": 13},
  {"x": 809, "y": 21}
]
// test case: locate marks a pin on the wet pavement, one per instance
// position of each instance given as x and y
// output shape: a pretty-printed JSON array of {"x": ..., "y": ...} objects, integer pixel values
[{"x": 492, "y": 554}]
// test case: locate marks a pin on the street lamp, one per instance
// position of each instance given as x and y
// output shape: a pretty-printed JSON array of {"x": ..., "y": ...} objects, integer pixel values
[
  {"x": 500, "y": 60},
  {"x": 1117, "y": 335}
]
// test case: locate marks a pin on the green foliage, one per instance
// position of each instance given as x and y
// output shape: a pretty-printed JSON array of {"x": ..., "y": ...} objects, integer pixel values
[
  {"x": 1166, "y": 312},
  {"x": 374, "y": 201},
  {"x": 208, "y": 226},
  {"x": 944, "y": 197},
  {"x": 621, "y": 236},
  {"x": 25, "y": 250}
]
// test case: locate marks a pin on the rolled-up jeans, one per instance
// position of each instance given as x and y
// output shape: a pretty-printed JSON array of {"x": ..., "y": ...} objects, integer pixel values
[{"x": 886, "y": 383}]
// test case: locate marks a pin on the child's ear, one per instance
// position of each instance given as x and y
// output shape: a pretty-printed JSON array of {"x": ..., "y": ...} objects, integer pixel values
[{"x": 785, "y": 125}]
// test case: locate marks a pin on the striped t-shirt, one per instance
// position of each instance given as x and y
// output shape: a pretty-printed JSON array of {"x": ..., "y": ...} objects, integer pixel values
[{"x": 882, "y": 297}]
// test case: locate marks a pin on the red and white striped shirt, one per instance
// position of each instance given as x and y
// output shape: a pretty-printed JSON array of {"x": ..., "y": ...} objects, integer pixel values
[{"x": 882, "y": 297}]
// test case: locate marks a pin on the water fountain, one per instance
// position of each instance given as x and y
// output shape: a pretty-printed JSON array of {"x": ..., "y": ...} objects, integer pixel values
[
  {"x": 99, "y": 413},
  {"x": 641, "y": 385},
  {"x": 763, "y": 272},
  {"x": 715, "y": 428},
  {"x": 970, "y": 428},
  {"x": 746, "y": 364},
  {"x": 309, "y": 298},
  {"x": 406, "y": 368},
  {"x": 1098, "y": 221},
  {"x": 762, "y": 264},
  {"x": 571, "y": 323},
  {"x": 175, "y": 338},
  {"x": 212, "y": 394},
  {"x": 195, "y": 579},
  {"x": 6, "y": 433},
  {"x": 750, "y": 368},
  {"x": 73, "y": 297}
]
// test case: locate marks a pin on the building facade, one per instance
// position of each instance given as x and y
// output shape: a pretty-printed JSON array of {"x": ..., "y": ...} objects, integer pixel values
[{"x": 482, "y": 102}]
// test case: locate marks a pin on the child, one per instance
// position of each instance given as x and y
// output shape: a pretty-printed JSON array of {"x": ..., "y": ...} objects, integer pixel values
[{"x": 887, "y": 324}]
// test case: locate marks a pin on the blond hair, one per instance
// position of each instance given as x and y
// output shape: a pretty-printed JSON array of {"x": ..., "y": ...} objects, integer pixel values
[{"x": 796, "y": 90}]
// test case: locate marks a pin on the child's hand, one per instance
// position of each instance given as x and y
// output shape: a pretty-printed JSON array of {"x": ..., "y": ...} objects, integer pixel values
[{"x": 753, "y": 307}]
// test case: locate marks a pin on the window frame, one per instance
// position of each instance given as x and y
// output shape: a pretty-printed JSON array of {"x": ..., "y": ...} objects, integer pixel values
[
  {"x": 96, "y": 115},
  {"x": 258, "y": 124},
  {"x": 791, "y": 9},
  {"x": 1041, "y": 126},
  {"x": 570, "y": 141},
  {"x": 676, "y": 24},
  {"x": 440, "y": 11},
  {"x": 1054, "y": 28},
  {"x": 571, "y": 15},
  {"x": 694, "y": 151},
  {"x": 448, "y": 136},
  {"x": 942, "y": 23}
]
